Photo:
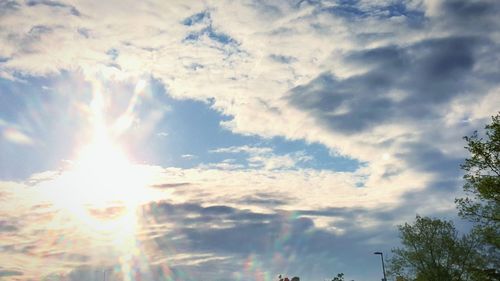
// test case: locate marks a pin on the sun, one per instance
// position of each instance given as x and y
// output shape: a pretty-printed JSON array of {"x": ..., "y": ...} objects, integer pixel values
[
  {"x": 103, "y": 190},
  {"x": 106, "y": 175}
]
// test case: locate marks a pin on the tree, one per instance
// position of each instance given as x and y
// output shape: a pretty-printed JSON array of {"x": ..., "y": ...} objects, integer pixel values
[
  {"x": 482, "y": 185},
  {"x": 339, "y": 277},
  {"x": 433, "y": 251}
]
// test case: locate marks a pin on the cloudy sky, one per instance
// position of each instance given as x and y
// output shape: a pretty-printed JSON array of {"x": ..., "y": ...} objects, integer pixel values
[{"x": 233, "y": 140}]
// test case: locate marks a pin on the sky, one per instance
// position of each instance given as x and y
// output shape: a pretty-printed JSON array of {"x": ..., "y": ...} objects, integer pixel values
[{"x": 233, "y": 140}]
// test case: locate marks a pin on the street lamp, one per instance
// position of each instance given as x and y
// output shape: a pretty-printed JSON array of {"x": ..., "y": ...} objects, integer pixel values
[{"x": 383, "y": 266}]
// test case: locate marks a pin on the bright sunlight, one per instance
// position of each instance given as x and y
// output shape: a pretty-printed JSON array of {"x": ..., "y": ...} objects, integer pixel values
[{"x": 102, "y": 190}]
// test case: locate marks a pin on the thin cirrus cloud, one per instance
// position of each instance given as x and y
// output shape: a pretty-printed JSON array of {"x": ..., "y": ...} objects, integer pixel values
[{"x": 275, "y": 130}]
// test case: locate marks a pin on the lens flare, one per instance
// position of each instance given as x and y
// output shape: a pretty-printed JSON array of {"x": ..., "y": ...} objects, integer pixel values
[{"x": 102, "y": 190}]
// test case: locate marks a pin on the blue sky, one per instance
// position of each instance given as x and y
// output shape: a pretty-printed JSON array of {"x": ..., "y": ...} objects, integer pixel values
[
  {"x": 233, "y": 139},
  {"x": 187, "y": 135}
]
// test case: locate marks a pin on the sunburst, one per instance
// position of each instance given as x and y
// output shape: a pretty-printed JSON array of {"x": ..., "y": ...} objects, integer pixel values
[{"x": 102, "y": 190}]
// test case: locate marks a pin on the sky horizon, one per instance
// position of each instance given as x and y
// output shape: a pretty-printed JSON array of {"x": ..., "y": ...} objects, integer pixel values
[{"x": 233, "y": 140}]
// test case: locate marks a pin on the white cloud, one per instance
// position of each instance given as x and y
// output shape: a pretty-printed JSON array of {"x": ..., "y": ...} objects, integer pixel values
[
  {"x": 246, "y": 149},
  {"x": 17, "y": 137},
  {"x": 273, "y": 49},
  {"x": 244, "y": 80},
  {"x": 265, "y": 158},
  {"x": 246, "y": 83},
  {"x": 188, "y": 156},
  {"x": 38, "y": 211}
]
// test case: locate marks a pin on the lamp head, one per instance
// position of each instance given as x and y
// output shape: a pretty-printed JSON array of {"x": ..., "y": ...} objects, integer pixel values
[{"x": 377, "y": 253}]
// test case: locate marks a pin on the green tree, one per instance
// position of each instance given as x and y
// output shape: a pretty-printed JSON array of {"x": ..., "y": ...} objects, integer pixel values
[
  {"x": 482, "y": 187},
  {"x": 432, "y": 250}
]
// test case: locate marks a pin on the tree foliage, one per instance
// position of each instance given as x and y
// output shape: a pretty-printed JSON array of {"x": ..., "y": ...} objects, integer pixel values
[
  {"x": 482, "y": 183},
  {"x": 339, "y": 277},
  {"x": 482, "y": 186},
  {"x": 433, "y": 251}
]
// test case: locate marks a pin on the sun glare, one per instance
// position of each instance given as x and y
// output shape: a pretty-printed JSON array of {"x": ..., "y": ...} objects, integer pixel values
[{"x": 102, "y": 190}]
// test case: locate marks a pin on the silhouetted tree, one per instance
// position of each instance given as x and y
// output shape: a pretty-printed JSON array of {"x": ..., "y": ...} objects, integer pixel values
[
  {"x": 339, "y": 277},
  {"x": 482, "y": 186},
  {"x": 433, "y": 251}
]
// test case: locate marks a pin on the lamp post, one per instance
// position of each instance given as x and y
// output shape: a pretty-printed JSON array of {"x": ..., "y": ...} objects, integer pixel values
[{"x": 383, "y": 266}]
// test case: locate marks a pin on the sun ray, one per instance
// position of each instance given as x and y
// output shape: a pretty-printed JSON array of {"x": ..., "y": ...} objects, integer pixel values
[{"x": 103, "y": 189}]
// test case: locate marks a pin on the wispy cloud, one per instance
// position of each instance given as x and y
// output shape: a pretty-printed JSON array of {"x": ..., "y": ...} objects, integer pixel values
[
  {"x": 265, "y": 158},
  {"x": 391, "y": 84}
]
